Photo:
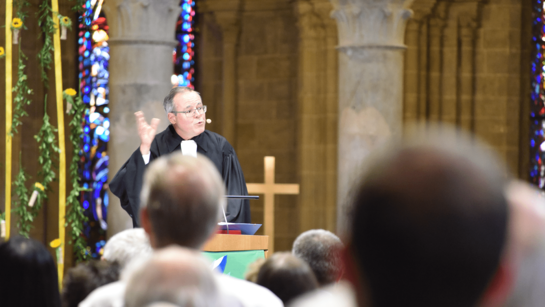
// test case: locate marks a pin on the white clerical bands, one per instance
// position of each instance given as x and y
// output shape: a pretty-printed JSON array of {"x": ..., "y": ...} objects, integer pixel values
[{"x": 189, "y": 148}]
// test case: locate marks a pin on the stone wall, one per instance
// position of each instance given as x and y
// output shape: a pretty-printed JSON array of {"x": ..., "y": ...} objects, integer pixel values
[
  {"x": 265, "y": 95},
  {"x": 467, "y": 64}
]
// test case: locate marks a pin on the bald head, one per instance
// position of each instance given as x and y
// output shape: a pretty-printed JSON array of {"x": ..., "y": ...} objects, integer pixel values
[
  {"x": 181, "y": 200},
  {"x": 176, "y": 276},
  {"x": 429, "y": 221}
]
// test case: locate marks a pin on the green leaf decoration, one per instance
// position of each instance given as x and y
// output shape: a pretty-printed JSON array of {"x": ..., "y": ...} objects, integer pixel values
[
  {"x": 75, "y": 216},
  {"x": 47, "y": 25}
]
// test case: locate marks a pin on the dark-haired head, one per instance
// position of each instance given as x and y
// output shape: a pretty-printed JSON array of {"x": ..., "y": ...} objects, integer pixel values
[
  {"x": 86, "y": 277},
  {"x": 28, "y": 274},
  {"x": 429, "y": 223},
  {"x": 286, "y": 276}
]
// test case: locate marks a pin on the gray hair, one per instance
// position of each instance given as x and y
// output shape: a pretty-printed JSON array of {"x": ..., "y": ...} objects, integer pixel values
[
  {"x": 173, "y": 275},
  {"x": 321, "y": 250},
  {"x": 168, "y": 101},
  {"x": 183, "y": 196},
  {"x": 127, "y": 245}
]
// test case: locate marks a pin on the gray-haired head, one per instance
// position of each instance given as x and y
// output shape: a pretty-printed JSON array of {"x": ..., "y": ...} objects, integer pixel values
[
  {"x": 168, "y": 101},
  {"x": 181, "y": 200},
  {"x": 429, "y": 220},
  {"x": 126, "y": 246},
  {"x": 321, "y": 250},
  {"x": 173, "y": 275}
]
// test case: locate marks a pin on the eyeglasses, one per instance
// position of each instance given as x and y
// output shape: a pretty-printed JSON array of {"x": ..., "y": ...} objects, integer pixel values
[{"x": 191, "y": 113}]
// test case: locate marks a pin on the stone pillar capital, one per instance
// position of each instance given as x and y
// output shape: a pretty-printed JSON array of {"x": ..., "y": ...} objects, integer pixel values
[
  {"x": 229, "y": 22},
  {"x": 422, "y": 9},
  {"x": 308, "y": 21},
  {"x": 142, "y": 21},
  {"x": 364, "y": 23}
]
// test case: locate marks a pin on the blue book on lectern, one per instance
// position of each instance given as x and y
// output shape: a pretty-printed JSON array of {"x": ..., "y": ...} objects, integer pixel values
[{"x": 245, "y": 228}]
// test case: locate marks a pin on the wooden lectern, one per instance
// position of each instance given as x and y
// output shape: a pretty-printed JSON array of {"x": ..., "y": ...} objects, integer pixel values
[{"x": 232, "y": 243}]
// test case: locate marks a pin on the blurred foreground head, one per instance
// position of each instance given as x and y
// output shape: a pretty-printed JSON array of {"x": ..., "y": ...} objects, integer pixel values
[
  {"x": 181, "y": 200},
  {"x": 174, "y": 276},
  {"x": 28, "y": 274},
  {"x": 429, "y": 223}
]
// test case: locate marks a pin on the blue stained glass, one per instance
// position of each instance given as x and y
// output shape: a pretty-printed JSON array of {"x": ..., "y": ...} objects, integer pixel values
[
  {"x": 85, "y": 204},
  {"x": 106, "y": 110},
  {"x": 186, "y": 38},
  {"x": 532, "y": 143},
  {"x": 186, "y": 56},
  {"x": 106, "y": 200}
]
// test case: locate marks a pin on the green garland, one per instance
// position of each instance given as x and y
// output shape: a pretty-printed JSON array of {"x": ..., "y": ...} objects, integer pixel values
[
  {"x": 20, "y": 204},
  {"x": 78, "y": 7},
  {"x": 75, "y": 216},
  {"x": 21, "y": 87},
  {"x": 48, "y": 29},
  {"x": 21, "y": 98},
  {"x": 47, "y": 148}
]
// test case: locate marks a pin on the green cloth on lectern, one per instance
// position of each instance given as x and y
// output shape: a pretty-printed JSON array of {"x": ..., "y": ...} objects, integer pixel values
[{"x": 237, "y": 262}]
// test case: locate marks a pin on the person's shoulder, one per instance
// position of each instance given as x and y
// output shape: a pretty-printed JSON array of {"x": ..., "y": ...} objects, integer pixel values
[
  {"x": 163, "y": 134},
  {"x": 219, "y": 140},
  {"x": 340, "y": 294},
  {"x": 249, "y": 293}
]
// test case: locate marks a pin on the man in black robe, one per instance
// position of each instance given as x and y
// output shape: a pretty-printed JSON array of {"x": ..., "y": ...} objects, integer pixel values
[{"x": 187, "y": 133}]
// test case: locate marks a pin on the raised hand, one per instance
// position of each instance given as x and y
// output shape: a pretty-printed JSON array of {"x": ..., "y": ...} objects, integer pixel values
[{"x": 145, "y": 131}]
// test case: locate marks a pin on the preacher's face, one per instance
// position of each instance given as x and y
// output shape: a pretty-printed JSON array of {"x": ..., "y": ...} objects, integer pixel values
[{"x": 187, "y": 125}]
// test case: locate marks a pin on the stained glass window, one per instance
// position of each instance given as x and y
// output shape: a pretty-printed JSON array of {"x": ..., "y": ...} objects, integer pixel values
[
  {"x": 184, "y": 53},
  {"x": 93, "y": 66}
]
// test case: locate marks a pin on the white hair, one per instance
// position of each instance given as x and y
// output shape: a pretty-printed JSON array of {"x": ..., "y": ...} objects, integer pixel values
[
  {"x": 174, "y": 275},
  {"x": 126, "y": 246},
  {"x": 321, "y": 250}
]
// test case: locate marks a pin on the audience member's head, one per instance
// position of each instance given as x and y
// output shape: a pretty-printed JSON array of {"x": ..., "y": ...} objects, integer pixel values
[
  {"x": 286, "y": 276},
  {"x": 429, "y": 223},
  {"x": 174, "y": 275},
  {"x": 127, "y": 245},
  {"x": 28, "y": 274},
  {"x": 523, "y": 266},
  {"x": 253, "y": 270},
  {"x": 321, "y": 250},
  {"x": 181, "y": 200},
  {"x": 86, "y": 277}
]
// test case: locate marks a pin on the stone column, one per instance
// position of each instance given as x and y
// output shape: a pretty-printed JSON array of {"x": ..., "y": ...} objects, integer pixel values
[
  {"x": 370, "y": 84},
  {"x": 466, "y": 103},
  {"x": 141, "y": 44},
  {"x": 414, "y": 104},
  {"x": 229, "y": 23}
]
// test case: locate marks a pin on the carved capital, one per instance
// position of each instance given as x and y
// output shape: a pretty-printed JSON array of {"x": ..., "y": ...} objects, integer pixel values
[
  {"x": 153, "y": 21},
  {"x": 371, "y": 23},
  {"x": 422, "y": 9},
  {"x": 308, "y": 21},
  {"x": 229, "y": 22}
]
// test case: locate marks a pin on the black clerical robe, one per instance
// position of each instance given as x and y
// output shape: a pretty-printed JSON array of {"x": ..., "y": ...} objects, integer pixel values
[{"x": 127, "y": 183}]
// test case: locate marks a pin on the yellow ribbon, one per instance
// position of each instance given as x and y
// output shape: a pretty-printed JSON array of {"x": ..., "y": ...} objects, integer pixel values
[
  {"x": 60, "y": 124},
  {"x": 9, "y": 15}
]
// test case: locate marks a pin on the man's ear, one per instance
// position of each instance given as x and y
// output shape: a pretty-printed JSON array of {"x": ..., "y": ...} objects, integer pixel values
[
  {"x": 171, "y": 118},
  {"x": 146, "y": 224},
  {"x": 500, "y": 286}
]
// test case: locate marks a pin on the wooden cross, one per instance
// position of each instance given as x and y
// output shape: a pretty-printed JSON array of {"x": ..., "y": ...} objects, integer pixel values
[{"x": 269, "y": 189}]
